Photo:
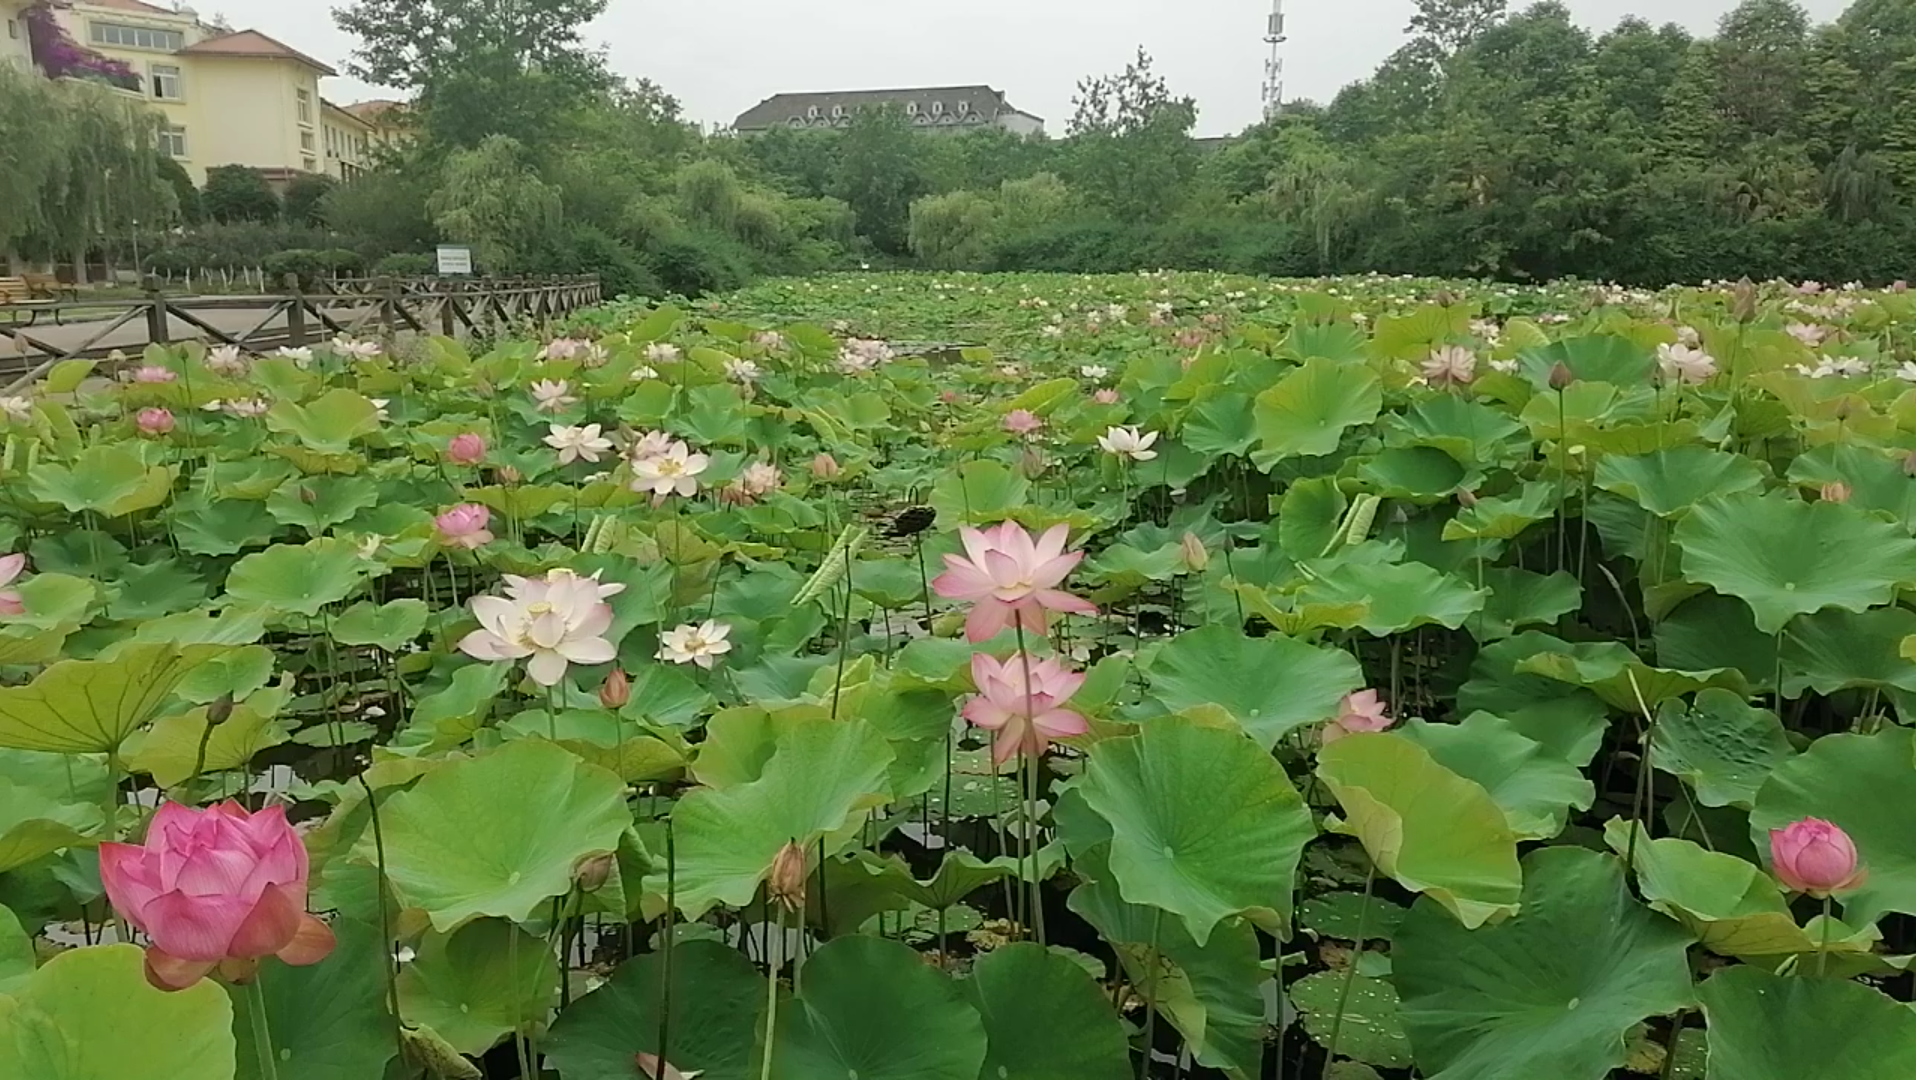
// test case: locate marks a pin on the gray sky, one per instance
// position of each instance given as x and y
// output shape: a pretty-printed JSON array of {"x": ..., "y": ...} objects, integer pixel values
[{"x": 721, "y": 56}]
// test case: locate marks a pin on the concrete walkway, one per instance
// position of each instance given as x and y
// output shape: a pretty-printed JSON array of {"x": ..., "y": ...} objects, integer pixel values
[{"x": 132, "y": 337}]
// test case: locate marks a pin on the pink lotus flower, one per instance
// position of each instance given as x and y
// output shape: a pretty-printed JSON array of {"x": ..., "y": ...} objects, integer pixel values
[
  {"x": 153, "y": 373},
  {"x": 1027, "y": 713},
  {"x": 826, "y": 467},
  {"x": 1022, "y": 422},
  {"x": 1815, "y": 857},
  {"x": 1360, "y": 712},
  {"x": 464, "y": 526},
  {"x": 466, "y": 449},
  {"x": 216, "y": 888},
  {"x": 1810, "y": 335},
  {"x": 11, "y": 602},
  {"x": 154, "y": 422},
  {"x": 1010, "y": 579},
  {"x": 1451, "y": 365},
  {"x": 551, "y": 624},
  {"x": 1105, "y": 397}
]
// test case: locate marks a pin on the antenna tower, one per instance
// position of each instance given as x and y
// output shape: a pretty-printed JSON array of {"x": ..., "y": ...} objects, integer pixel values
[{"x": 1275, "y": 37}]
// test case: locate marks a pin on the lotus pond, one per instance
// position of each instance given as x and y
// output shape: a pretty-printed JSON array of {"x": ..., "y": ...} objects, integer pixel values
[{"x": 887, "y": 677}]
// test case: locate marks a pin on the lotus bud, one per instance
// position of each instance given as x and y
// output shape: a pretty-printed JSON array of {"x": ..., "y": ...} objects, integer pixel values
[
  {"x": 591, "y": 872},
  {"x": 1466, "y": 499},
  {"x": 1192, "y": 553},
  {"x": 308, "y": 496},
  {"x": 507, "y": 474},
  {"x": 154, "y": 422},
  {"x": 1836, "y": 491},
  {"x": 1444, "y": 298},
  {"x": 1743, "y": 301},
  {"x": 787, "y": 881},
  {"x": 826, "y": 467},
  {"x": 1561, "y": 376},
  {"x": 1899, "y": 287},
  {"x": 651, "y": 1068},
  {"x": 1845, "y": 408},
  {"x": 220, "y": 711},
  {"x": 616, "y": 690},
  {"x": 430, "y": 1051},
  {"x": 1816, "y": 857},
  {"x": 466, "y": 449}
]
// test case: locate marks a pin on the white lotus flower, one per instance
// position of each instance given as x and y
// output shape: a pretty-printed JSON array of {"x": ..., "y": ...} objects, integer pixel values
[
  {"x": 742, "y": 371},
  {"x": 1094, "y": 371},
  {"x": 702, "y": 644},
  {"x": 227, "y": 360},
  {"x": 575, "y": 443},
  {"x": 17, "y": 408},
  {"x": 1681, "y": 363},
  {"x": 1907, "y": 372},
  {"x": 1840, "y": 367},
  {"x": 566, "y": 626},
  {"x": 660, "y": 352},
  {"x": 674, "y": 472},
  {"x": 300, "y": 356},
  {"x": 358, "y": 350},
  {"x": 552, "y": 395},
  {"x": 642, "y": 373},
  {"x": 1451, "y": 365},
  {"x": 1128, "y": 442}
]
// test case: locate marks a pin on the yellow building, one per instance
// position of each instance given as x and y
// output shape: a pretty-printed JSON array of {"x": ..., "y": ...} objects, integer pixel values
[
  {"x": 229, "y": 97},
  {"x": 15, "y": 48}
]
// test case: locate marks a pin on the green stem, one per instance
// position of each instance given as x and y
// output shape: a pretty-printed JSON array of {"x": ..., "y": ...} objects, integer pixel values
[
  {"x": 262, "y": 1035},
  {"x": 771, "y": 997},
  {"x": 1151, "y": 997},
  {"x": 1350, "y": 973},
  {"x": 386, "y": 962},
  {"x": 1823, "y": 950}
]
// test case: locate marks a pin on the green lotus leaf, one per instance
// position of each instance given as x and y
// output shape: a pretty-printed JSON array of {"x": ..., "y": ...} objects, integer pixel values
[
  {"x": 94, "y": 706},
  {"x": 1213, "y": 994},
  {"x": 872, "y": 1007},
  {"x": 1293, "y": 617},
  {"x": 206, "y": 526},
  {"x": 521, "y": 502},
  {"x": 1723, "y": 747},
  {"x": 978, "y": 492},
  {"x": 1866, "y": 784},
  {"x": 1397, "y": 596},
  {"x": 1875, "y": 478},
  {"x": 1469, "y": 431},
  {"x": 1221, "y": 425},
  {"x": 1842, "y": 650},
  {"x": 1414, "y": 473},
  {"x": 498, "y": 834},
  {"x": 387, "y": 626},
  {"x": 1787, "y": 558},
  {"x": 1730, "y": 905},
  {"x": 1308, "y": 411},
  {"x": 17, "y": 959},
  {"x": 232, "y": 626},
  {"x": 317, "y": 503},
  {"x": 1045, "y": 1019},
  {"x": 1604, "y": 358},
  {"x": 89, "y": 1014},
  {"x": 1504, "y": 517},
  {"x": 718, "y": 1006},
  {"x": 1371, "y": 1031},
  {"x": 1670, "y": 481},
  {"x": 1423, "y": 825},
  {"x": 1767, "y": 1027},
  {"x": 1347, "y": 915},
  {"x": 1308, "y": 518},
  {"x": 960, "y": 873},
  {"x": 1204, "y": 823},
  {"x": 479, "y": 983},
  {"x": 1554, "y": 991},
  {"x": 1520, "y": 598},
  {"x": 327, "y": 1021},
  {"x": 448, "y": 717},
  {"x": 1270, "y": 685},
  {"x": 232, "y": 673},
  {"x": 1621, "y": 679},
  {"x": 53, "y": 600},
  {"x": 1536, "y": 789},
  {"x": 1710, "y": 631},
  {"x": 48, "y": 802},
  {"x": 1566, "y": 718},
  {"x": 329, "y": 423},
  {"x": 1582, "y": 413},
  {"x": 821, "y": 774},
  {"x": 1413, "y": 336},
  {"x": 151, "y": 590},
  {"x": 299, "y": 580},
  {"x": 109, "y": 479},
  {"x": 178, "y": 744}
]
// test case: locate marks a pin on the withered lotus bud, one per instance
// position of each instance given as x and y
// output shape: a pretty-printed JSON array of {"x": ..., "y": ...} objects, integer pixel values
[
  {"x": 1743, "y": 301},
  {"x": 507, "y": 474},
  {"x": 1836, "y": 491},
  {"x": 1561, "y": 376},
  {"x": 220, "y": 711},
  {"x": 1466, "y": 499},
  {"x": 787, "y": 881},
  {"x": 1192, "y": 553}
]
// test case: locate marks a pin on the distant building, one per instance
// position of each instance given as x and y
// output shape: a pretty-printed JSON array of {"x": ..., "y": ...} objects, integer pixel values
[
  {"x": 938, "y": 109},
  {"x": 226, "y": 97},
  {"x": 16, "y": 47}
]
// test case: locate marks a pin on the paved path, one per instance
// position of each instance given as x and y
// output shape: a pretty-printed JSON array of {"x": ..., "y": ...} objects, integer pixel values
[{"x": 132, "y": 337}]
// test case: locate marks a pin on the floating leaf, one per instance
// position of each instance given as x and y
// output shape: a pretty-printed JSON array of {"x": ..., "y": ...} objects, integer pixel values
[
  {"x": 1552, "y": 992},
  {"x": 1423, "y": 825},
  {"x": 1204, "y": 822},
  {"x": 498, "y": 834},
  {"x": 1371, "y": 1030},
  {"x": 1723, "y": 747}
]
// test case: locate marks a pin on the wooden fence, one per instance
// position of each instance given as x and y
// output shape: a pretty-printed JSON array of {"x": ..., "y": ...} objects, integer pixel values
[{"x": 362, "y": 308}]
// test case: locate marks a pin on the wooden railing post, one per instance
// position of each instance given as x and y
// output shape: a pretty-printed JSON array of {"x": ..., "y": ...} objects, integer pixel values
[
  {"x": 388, "y": 309},
  {"x": 295, "y": 313},
  {"x": 157, "y": 323}
]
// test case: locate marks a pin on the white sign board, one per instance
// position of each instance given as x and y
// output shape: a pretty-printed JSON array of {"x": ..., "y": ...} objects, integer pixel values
[{"x": 454, "y": 259}]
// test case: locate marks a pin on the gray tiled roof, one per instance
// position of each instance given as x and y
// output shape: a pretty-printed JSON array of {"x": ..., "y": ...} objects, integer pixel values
[{"x": 959, "y": 103}]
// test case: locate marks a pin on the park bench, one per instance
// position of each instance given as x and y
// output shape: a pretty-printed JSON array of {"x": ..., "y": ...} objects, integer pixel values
[
  {"x": 17, "y": 298},
  {"x": 49, "y": 287}
]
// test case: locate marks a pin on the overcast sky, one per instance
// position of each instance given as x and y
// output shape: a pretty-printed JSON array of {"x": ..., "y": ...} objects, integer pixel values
[{"x": 720, "y": 57}]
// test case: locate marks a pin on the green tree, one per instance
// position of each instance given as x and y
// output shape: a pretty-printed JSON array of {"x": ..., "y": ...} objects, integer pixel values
[
  {"x": 239, "y": 193},
  {"x": 303, "y": 198},
  {"x": 878, "y": 175},
  {"x": 491, "y": 197},
  {"x": 1130, "y": 151},
  {"x": 1452, "y": 24}
]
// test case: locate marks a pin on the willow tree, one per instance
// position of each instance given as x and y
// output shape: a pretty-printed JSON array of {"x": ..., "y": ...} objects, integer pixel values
[{"x": 82, "y": 164}]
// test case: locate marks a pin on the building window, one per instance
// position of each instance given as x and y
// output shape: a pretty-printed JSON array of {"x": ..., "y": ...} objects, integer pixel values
[
  {"x": 309, "y": 164},
  {"x": 838, "y": 111},
  {"x": 938, "y": 108},
  {"x": 911, "y": 108},
  {"x": 305, "y": 108},
  {"x": 812, "y": 112},
  {"x": 173, "y": 141},
  {"x": 167, "y": 85},
  {"x": 13, "y": 30},
  {"x": 137, "y": 37},
  {"x": 306, "y": 141}
]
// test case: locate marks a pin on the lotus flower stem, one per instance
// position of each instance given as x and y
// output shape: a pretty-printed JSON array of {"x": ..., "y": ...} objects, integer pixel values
[
  {"x": 1350, "y": 973},
  {"x": 1151, "y": 996},
  {"x": 771, "y": 996},
  {"x": 519, "y": 1047},
  {"x": 666, "y": 932},
  {"x": 844, "y": 633},
  {"x": 262, "y": 1034},
  {"x": 1823, "y": 949},
  {"x": 1028, "y": 787},
  {"x": 387, "y": 963}
]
